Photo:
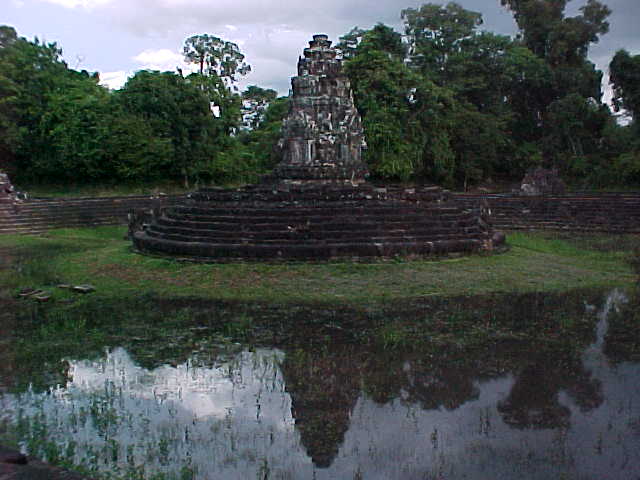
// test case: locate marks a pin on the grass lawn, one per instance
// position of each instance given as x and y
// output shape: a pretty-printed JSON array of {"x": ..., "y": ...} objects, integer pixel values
[{"x": 101, "y": 257}]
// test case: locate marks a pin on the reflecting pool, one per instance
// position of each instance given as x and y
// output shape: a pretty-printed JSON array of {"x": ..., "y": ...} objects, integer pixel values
[{"x": 344, "y": 410}]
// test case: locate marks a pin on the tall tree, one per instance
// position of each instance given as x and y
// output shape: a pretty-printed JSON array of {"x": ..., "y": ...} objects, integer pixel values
[
  {"x": 260, "y": 142},
  {"x": 30, "y": 73},
  {"x": 73, "y": 125},
  {"x": 482, "y": 74},
  {"x": 384, "y": 92},
  {"x": 215, "y": 56},
  {"x": 435, "y": 32},
  {"x": 625, "y": 78},
  {"x": 563, "y": 42},
  {"x": 624, "y": 72},
  {"x": 550, "y": 35},
  {"x": 8, "y": 92}
]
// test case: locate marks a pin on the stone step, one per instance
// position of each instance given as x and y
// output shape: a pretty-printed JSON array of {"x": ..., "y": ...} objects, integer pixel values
[
  {"x": 39, "y": 209},
  {"x": 47, "y": 225},
  {"x": 375, "y": 208},
  {"x": 274, "y": 216},
  {"x": 332, "y": 223},
  {"x": 118, "y": 217},
  {"x": 314, "y": 250},
  {"x": 316, "y": 224},
  {"x": 326, "y": 235}
]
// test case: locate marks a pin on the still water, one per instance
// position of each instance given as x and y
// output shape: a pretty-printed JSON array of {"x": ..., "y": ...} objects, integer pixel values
[{"x": 345, "y": 413}]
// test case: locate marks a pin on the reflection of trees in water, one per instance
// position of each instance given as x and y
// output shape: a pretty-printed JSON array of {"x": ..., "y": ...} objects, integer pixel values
[
  {"x": 436, "y": 385},
  {"x": 431, "y": 382},
  {"x": 326, "y": 383},
  {"x": 324, "y": 387},
  {"x": 533, "y": 401},
  {"x": 7, "y": 356},
  {"x": 622, "y": 341}
]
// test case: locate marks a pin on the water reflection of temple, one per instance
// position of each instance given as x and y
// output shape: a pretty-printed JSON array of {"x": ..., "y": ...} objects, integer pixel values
[
  {"x": 311, "y": 397},
  {"x": 324, "y": 387}
]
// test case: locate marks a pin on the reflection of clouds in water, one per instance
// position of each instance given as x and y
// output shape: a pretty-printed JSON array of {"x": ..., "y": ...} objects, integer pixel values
[
  {"x": 239, "y": 385},
  {"x": 232, "y": 419}
]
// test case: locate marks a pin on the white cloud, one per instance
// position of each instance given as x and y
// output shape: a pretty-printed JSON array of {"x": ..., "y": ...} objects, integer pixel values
[
  {"x": 162, "y": 59},
  {"x": 79, "y": 3},
  {"x": 271, "y": 33},
  {"x": 114, "y": 80}
]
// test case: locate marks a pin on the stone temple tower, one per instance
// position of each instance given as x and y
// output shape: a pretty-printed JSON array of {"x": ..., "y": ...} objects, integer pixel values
[{"x": 322, "y": 137}]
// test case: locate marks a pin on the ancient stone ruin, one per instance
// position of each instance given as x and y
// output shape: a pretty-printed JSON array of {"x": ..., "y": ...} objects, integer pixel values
[
  {"x": 7, "y": 192},
  {"x": 322, "y": 136},
  {"x": 316, "y": 204},
  {"x": 541, "y": 181}
]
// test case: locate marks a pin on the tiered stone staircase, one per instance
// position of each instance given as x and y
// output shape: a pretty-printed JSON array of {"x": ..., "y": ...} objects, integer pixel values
[
  {"x": 39, "y": 215},
  {"x": 589, "y": 212},
  {"x": 314, "y": 222}
]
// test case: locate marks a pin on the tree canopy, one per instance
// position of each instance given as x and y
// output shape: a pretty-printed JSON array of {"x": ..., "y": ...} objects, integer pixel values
[
  {"x": 441, "y": 101},
  {"x": 624, "y": 73},
  {"x": 60, "y": 125},
  {"x": 215, "y": 56}
]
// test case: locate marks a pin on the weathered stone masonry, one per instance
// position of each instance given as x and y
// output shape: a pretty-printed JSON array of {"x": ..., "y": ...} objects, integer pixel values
[
  {"x": 322, "y": 135},
  {"x": 588, "y": 212}
]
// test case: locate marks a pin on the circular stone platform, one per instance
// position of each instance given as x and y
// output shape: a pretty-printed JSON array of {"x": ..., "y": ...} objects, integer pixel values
[{"x": 318, "y": 222}]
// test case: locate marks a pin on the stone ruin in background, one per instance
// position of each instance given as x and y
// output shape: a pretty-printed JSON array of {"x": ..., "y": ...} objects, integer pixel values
[
  {"x": 541, "y": 181},
  {"x": 316, "y": 204},
  {"x": 7, "y": 192}
]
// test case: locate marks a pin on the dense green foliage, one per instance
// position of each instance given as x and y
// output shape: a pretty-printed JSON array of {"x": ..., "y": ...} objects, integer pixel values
[
  {"x": 457, "y": 105},
  {"x": 443, "y": 101},
  {"x": 60, "y": 126}
]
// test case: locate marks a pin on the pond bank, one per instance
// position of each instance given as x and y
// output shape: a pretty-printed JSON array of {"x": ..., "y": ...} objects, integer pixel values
[{"x": 15, "y": 466}]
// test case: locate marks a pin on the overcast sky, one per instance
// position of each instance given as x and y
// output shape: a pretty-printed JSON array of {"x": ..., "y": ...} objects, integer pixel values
[{"x": 118, "y": 37}]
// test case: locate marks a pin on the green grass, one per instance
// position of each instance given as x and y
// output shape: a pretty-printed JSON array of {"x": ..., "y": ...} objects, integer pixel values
[{"x": 100, "y": 256}]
